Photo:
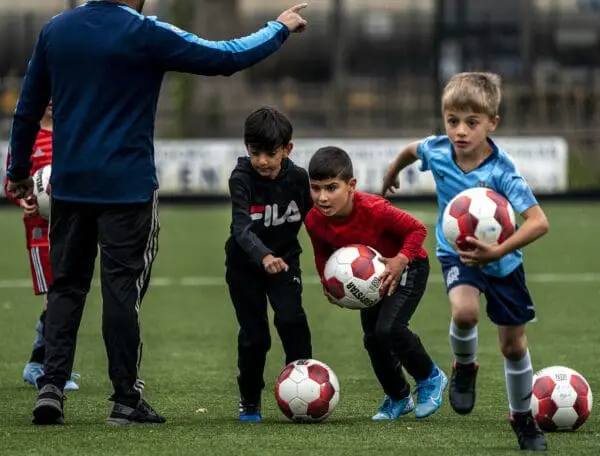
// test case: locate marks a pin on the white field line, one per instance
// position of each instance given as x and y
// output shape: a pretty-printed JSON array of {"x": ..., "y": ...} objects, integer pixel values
[{"x": 205, "y": 281}]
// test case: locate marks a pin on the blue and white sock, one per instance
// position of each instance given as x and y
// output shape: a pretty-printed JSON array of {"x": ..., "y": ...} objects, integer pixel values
[
  {"x": 519, "y": 383},
  {"x": 463, "y": 343}
]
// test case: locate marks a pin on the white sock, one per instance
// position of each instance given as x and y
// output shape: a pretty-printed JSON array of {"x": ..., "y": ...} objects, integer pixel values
[
  {"x": 519, "y": 379},
  {"x": 463, "y": 343}
]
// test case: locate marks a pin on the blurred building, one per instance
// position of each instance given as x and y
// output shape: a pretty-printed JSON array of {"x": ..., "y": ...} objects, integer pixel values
[{"x": 371, "y": 68}]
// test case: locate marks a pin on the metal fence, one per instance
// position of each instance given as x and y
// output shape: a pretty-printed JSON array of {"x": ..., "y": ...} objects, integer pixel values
[{"x": 377, "y": 71}]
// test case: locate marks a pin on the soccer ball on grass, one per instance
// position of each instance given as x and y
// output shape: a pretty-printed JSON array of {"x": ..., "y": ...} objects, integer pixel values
[{"x": 307, "y": 391}]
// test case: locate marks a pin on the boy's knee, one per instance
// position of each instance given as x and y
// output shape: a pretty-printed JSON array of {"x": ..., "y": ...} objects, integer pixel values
[
  {"x": 371, "y": 342},
  {"x": 465, "y": 317},
  {"x": 513, "y": 342},
  {"x": 464, "y": 301},
  {"x": 393, "y": 335},
  {"x": 384, "y": 334},
  {"x": 257, "y": 342},
  {"x": 290, "y": 319},
  {"x": 514, "y": 349}
]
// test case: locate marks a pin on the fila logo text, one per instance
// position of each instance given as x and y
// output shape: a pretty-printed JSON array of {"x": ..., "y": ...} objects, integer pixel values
[{"x": 270, "y": 214}]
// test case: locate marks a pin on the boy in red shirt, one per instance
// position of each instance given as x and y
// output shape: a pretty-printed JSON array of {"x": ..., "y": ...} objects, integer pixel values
[
  {"x": 343, "y": 216},
  {"x": 36, "y": 233}
]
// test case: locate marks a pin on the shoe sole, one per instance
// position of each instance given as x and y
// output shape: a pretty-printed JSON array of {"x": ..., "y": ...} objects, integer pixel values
[
  {"x": 126, "y": 422},
  {"x": 462, "y": 411},
  {"x": 404, "y": 413},
  {"x": 444, "y": 386},
  {"x": 46, "y": 413},
  {"x": 534, "y": 448}
]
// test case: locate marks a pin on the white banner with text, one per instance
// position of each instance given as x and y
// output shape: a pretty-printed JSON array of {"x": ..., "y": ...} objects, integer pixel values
[{"x": 202, "y": 166}]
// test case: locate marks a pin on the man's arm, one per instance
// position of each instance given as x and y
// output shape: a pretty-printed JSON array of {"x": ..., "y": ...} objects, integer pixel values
[
  {"x": 33, "y": 100},
  {"x": 178, "y": 50},
  {"x": 8, "y": 194},
  {"x": 242, "y": 223}
]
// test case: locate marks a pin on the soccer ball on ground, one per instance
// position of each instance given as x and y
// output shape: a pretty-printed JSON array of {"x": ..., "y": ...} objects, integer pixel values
[
  {"x": 307, "y": 391},
  {"x": 352, "y": 276},
  {"x": 41, "y": 190},
  {"x": 478, "y": 212},
  {"x": 561, "y": 399}
]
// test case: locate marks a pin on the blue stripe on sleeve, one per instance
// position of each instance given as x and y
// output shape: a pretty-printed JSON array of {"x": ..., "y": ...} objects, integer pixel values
[{"x": 237, "y": 45}]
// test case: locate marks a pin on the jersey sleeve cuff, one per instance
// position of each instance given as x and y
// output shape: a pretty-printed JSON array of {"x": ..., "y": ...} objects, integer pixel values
[
  {"x": 17, "y": 175},
  {"x": 407, "y": 254},
  {"x": 279, "y": 27},
  {"x": 259, "y": 255}
]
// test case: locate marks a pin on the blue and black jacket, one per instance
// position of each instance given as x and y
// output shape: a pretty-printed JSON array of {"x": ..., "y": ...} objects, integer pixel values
[{"x": 102, "y": 64}]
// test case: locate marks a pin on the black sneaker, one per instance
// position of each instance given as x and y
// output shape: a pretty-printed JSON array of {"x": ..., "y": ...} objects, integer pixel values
[
  {"x": 123, "y": 415},
  {"x": 250, "y": 411},
  {"x": 49, "y": 406},
  {"x": 528, "y": 432},
  {"x": 462, "y": 387}
]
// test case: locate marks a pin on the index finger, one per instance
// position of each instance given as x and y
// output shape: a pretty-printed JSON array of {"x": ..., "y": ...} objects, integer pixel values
[
  {"x": 392, "y": 287},
  {"x": 466, "y": 254},
  {"x": 298, "y": 7},
  {"x": 475, "y": 242},
  {"x": 384, "y": 275}
]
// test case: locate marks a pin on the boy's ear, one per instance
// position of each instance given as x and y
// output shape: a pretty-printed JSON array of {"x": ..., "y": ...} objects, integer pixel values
[
  {"x": 494, "y": 121},
  {"x": 352, "y": 183},
  {"x": 287, "y": 150},
  {"x": 248, "y": 150}
]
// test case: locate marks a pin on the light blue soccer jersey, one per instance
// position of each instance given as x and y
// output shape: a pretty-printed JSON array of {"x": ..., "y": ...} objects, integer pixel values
[{"x": 498, "y": 172}]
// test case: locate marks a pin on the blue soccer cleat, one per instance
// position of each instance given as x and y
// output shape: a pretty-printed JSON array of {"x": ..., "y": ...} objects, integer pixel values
[
  {"x": 33, "y": 371},
  {"x": 249, "y": 412},
  {"x": 391, "y": 409},
  {"x": 430, "y": 392},
  {"x": 71, "y": 385}
]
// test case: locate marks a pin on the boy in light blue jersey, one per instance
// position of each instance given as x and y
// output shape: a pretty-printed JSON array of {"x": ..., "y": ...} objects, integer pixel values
[{"x": 464, "y": 158}]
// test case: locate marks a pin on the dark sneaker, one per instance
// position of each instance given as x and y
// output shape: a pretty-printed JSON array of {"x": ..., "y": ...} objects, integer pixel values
[
  {"x": 462, "y": 387},
  {"x": 123, "y": 415},
  {"x": 250, "y": 411},
  {"x": 49, "y": 406},
  {"x": 529, "y": 434}
]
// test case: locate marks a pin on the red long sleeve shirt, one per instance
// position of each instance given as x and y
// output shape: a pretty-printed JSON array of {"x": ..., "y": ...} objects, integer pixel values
[
  {"x": 41, "y": 155},
  {"x": 373, "y": 222}
]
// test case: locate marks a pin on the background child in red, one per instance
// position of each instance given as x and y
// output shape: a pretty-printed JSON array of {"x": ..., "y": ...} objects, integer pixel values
[{"x": 36, "y": 234}]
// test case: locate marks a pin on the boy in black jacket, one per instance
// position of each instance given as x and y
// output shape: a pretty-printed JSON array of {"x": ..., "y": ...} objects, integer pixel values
[{"x": 270, "y": 197}]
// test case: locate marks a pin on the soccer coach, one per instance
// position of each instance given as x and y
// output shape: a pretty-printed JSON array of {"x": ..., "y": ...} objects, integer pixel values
[{"x": 102, "y": 64}]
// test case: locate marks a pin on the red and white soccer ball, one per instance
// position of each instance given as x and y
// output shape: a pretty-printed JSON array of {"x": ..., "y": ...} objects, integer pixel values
[
  {"x": 352, "y": 276},
  {"x": 478, "y": 212},
  {"x": 307, "y": 391},
  {"x": 561, "y": 399},
  {"x": 41, "y": 190}
]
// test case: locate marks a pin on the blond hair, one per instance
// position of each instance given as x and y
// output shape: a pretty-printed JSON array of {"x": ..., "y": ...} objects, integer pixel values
[{"x": 479, "y": 92}]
